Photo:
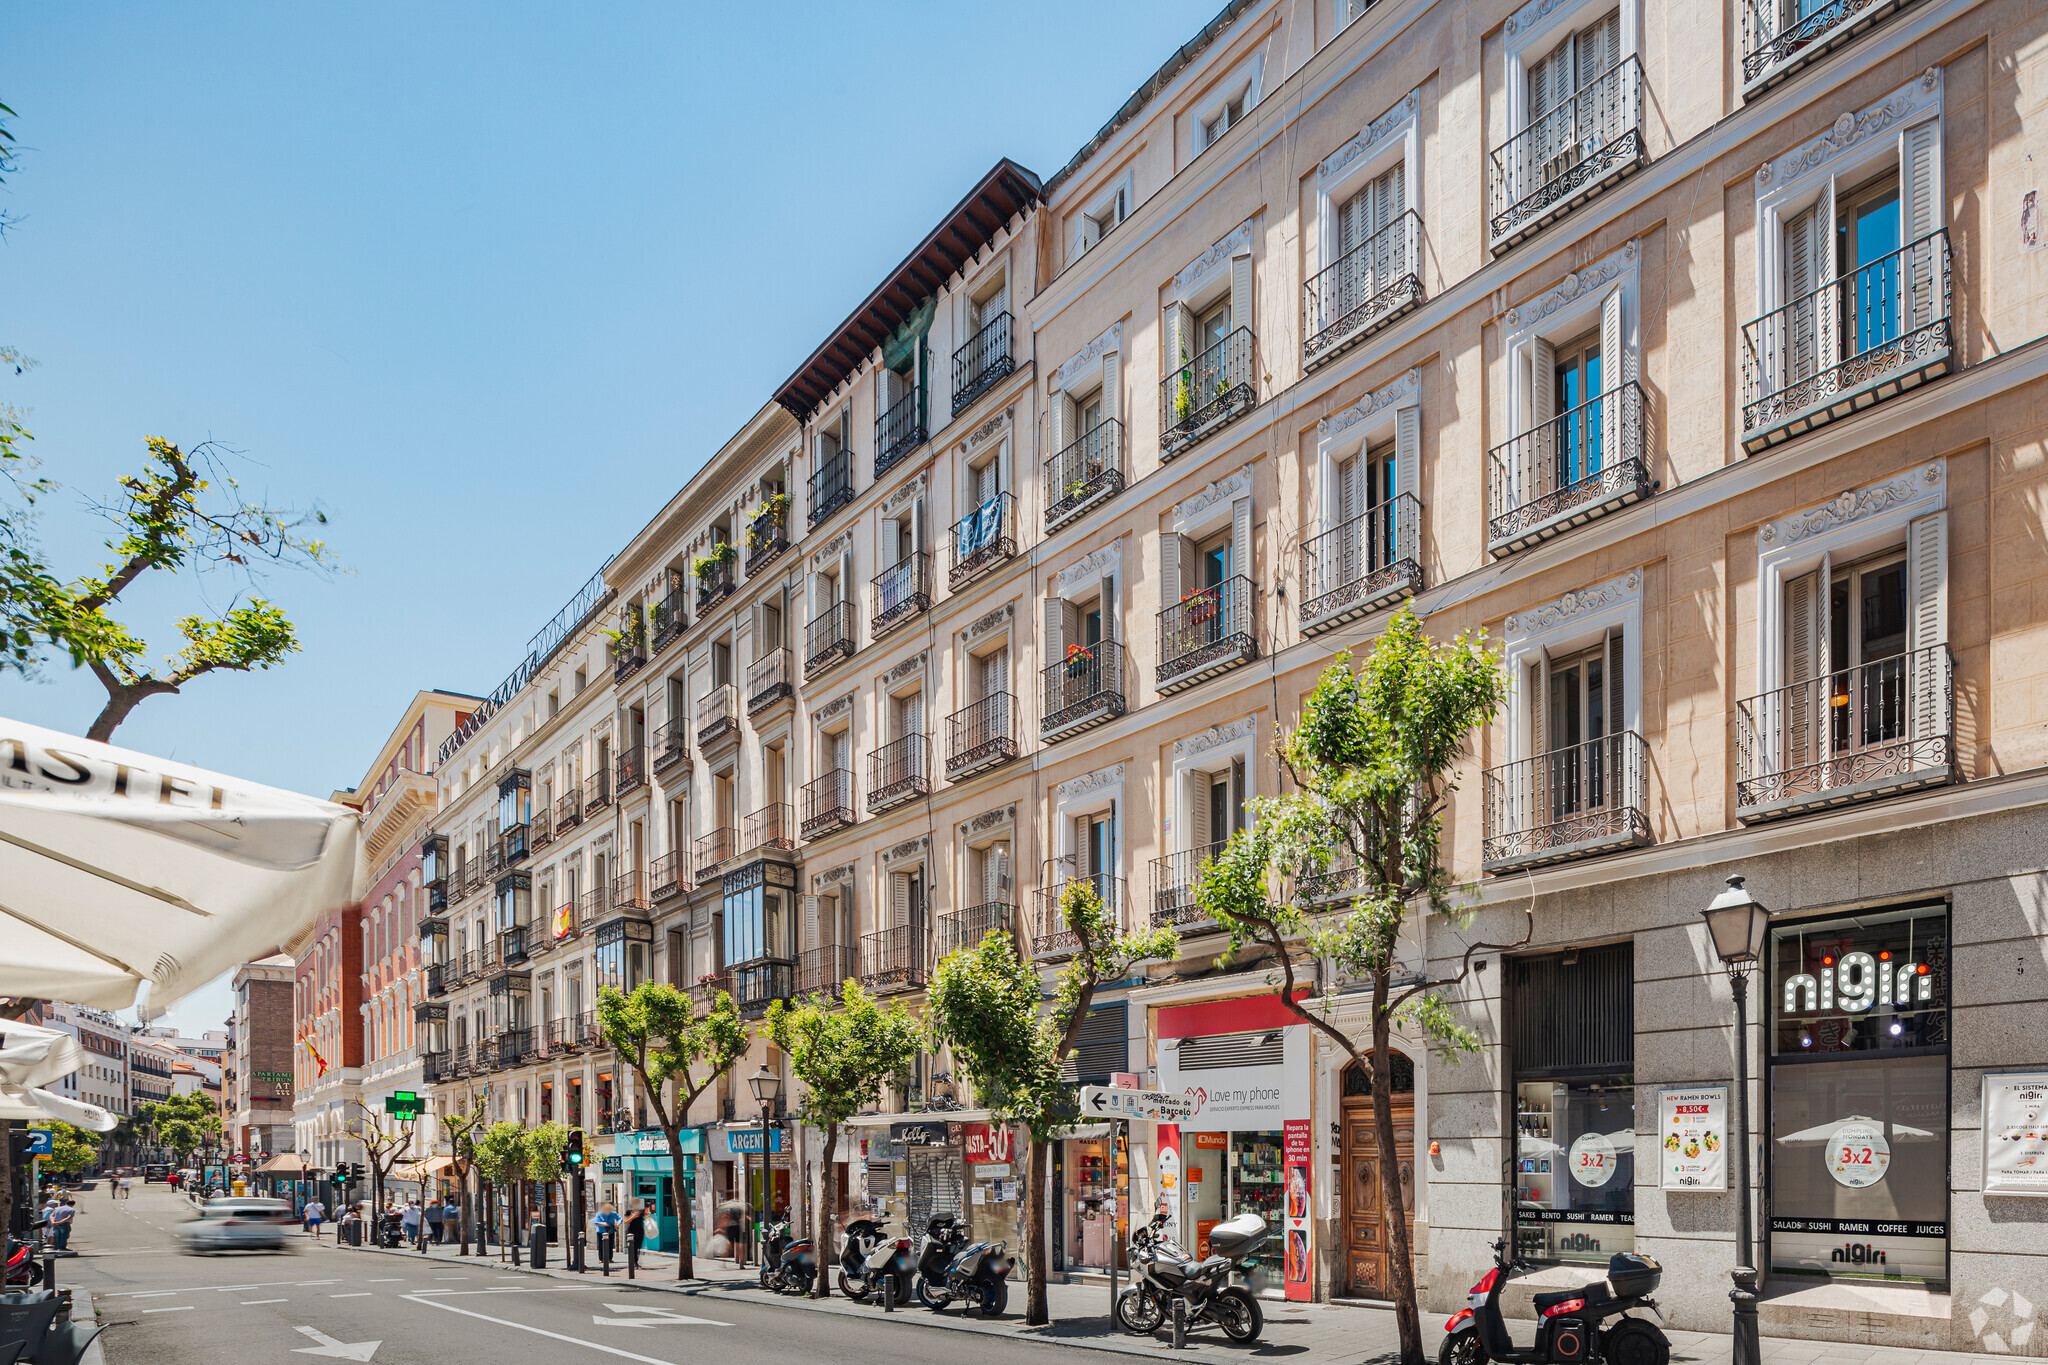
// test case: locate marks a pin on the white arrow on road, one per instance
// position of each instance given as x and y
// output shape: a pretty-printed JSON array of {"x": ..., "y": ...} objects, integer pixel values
[
  {"x": 654, "y": 1317},
  {"x": 341, "y": 1350}
]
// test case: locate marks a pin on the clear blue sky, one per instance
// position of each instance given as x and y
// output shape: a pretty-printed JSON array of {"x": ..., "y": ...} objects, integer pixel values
[{"x": 488, "y": 281}]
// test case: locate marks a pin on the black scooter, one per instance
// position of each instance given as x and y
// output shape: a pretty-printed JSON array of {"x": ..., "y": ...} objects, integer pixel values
[
  {"x": 950, "y": 1270},
  {"x": 1568, "y": 1330},
  {"x": 870, "y": 1257},
  {"x": 788, "y": 1265}
]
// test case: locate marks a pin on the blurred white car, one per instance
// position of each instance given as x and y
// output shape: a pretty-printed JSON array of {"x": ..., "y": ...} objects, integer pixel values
[{"x": 240, "y": 1224}]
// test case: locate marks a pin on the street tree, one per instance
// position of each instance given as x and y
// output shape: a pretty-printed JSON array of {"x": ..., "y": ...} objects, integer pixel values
[
  {"x": 460, "y": 1131},
  {"x": 1371, "y": 764},
  {"x": 387, "y": 1140},
  {"x": 843, "y": 1051},
  {"x": 544, "y": 1143},
  {"x": 501, "y": 1156},
  {"x": 984, "y": 1004},
  {"x": 677, "y": 1054},
  {"x": 71, "y": 1149}
]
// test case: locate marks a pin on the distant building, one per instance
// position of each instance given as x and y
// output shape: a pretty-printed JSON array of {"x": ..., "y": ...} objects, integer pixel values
[
  {"x": 256, "y": 1084},
  {"x": 103, "y": 1080},
  {"x": 150, "y": 1064}
]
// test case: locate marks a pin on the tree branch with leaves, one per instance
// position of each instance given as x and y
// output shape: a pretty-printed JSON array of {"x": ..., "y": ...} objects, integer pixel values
[
  {"x": 386, "y": 1140},
  {"x": 460, "y": 1131}
]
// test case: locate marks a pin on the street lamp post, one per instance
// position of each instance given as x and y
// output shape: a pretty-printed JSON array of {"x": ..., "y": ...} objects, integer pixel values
[
  {"x": 1737, "y": 921},
  {"x": 767, "y": 1088}
]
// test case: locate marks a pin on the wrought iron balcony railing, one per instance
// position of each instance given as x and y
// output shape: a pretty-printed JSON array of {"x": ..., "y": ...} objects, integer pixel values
[
  {"x": 436, "y": 1067},
  {"x": 982, "y": 361},
  {"x": 670, "y": 616},
  {"x": 668, "y": 875},
  {"x": 1577, "y": 466},
  {"x": 1088, "y": 472},
  {"x": 1362, "y": 291},
  {"x": 718, "y": 714},
  {"x": 772, "y": 826},
  {"x": 629, "y": 651},
  {"x": 703, "y": 992},
  {"x": 899, "y": 771},
  {"x": 1084, "y": 689},
  {"x": 1781, "y": 36},
  {"x": 629, "y": 894},
  {"x": 597, "y": 791},
  {"x": 631, "y": 766},
  {"x": 1362, "y": 565},
  {"x": 825, "y": 969},
  {"x": 981, "y": 735},
  {"x": 829, "y": 638},
  {"x": 512, "y": 945},
  {"x": 671, "y": 744},
  {"x": 767, "y": 538},
  {"x": 983, "y": 539},
  {"x": 437, "y": 980},
  {"x": 894, "y": 959},
  {"x": 592, "y": 907},
  {"x": 967, "y": 928},
  {"x": 1208, "y": 632},
  {"x": 827, "y": 803},
  {"x": 714, "y": 584},
  {"x": 1173, "y": 885},
  {"x": 542, "y": 832},
  {"x": 900, "y": 592},
  {"x": 1590, "y": 141},
  {"x": 1050, "y": 936},
  {"x": 712, "y": 849},
  {"x": 831, "y": 487},
  {"x": 755, "y": 985},
  {"x": 770, "y": 679},
  {"x": 1853, "y": 734},
  {"x": 458, "y": 1060},
  {"x": 900, "y": 429},
  {"x": 569, "y": 810},
  {"x": 1340, "y": 879},
  {"x": 1575, "y": 802},
  {"x": 1879, "y": 331},
  {"x": 1202, "y": 395}
]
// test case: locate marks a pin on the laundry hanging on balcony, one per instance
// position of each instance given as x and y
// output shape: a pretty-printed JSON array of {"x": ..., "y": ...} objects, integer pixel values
[{"x": 979, "y": 531}]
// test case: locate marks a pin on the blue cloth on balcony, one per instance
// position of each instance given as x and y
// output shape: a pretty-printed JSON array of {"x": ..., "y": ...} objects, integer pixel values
[{"x": 979, "y": 530}]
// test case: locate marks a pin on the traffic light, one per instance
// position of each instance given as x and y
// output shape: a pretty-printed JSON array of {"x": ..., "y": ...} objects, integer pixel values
[
  {"x": 572, "y": 1155},
  {"x": 340, "y": 1176},
  {"x": 355, "y": 1172}
]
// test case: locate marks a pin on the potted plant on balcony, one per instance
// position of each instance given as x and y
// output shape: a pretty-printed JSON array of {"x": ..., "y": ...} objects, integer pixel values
[
  {"x": 772, "y": 518},
  {"x": 1200, "y": 607},
  {"x": 658, "y": 613},
  {"x": 1078, "y": 660}
]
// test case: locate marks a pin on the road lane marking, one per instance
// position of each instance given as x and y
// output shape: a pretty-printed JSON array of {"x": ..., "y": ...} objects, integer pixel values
[
  {"x": 655, "y": 1317},
  {"x": 250, "y": 1303},
  {"x": 359, "y": 1294},
  {"x": 152, "y": 1293},
  {"x": 396, "y": 1279},
  {"x": 555, "y": 1289},
  {"x": 344, "y": 1350},
  {"x": 542, "y": 1331},
  {"x": 451, "y": 1277},
  {"x": 181, "y": 1308}
]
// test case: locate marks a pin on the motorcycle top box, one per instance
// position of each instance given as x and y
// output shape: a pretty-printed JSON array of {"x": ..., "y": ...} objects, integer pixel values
[
  {"x": 1236, "y": 1236},
  {"x": 1633, "y": 1276}
]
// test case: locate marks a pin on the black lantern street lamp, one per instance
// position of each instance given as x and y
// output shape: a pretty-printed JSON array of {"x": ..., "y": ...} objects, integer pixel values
[
  {"x": 1736, "y": 921},
  {"x": 767, "y": 1088}
]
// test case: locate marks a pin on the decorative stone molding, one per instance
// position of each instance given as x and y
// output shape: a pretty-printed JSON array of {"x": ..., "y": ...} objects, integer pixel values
[
  {"x": 994, "y": 620},
  {"x": 1088, "y": 569},
  {"x": 1603, "y": 271},
  {"x": 1406, "y": 389},
  {"x": 1374, "y": 135},
  {"x": 904, "y": 494},
  {"x": 832, "y": 876},
  {"x": 909, "y": 848},
  {"x": 603, "y": 840},
  {"x": 834, "y": 548},
  {"x": 1085, "y": 359},
  {"x": 995, "y": 423},
  {"x": 1576, "y": 603},
  {"x": 1088, "y": 782},
  {"x": 833, "y": 709},
  {"x": 1534, "y": 13},
  {"x": 910, "y": 667},
  {"x": 1223, "y": 490},
  {"x": 1920, "y": 95},
  {"x": 1853, "y": 505},
  {"x": 988, "y": 820},
  {"x": 1215, "y": 737},
  {"x": 1217, "y": 257}
]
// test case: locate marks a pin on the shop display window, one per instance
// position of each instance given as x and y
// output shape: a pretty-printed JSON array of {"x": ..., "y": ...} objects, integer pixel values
[
  {"x": 1258, "y": 1184},
  {"x": 1574, "y": 1168}
]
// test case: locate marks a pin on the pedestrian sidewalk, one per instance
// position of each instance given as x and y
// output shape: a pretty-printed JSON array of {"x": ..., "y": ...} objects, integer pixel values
[{"x": 1081, "y": 1318}]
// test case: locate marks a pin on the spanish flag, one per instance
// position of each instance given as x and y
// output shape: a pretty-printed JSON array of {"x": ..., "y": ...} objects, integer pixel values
[{"x": 318, "y": 1060}]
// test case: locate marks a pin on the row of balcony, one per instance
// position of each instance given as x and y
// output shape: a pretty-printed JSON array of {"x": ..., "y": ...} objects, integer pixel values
[{"x": 513, "y": 1047}]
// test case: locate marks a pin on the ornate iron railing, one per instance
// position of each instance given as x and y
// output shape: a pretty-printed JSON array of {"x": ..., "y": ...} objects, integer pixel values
[
  {"x": 1371, "y": 561},
  {"x": 829, "y": 638},
  {"x": 666, "y": 875},
  {"x": 593, "y": 906},
  {"x": 436, "y": 1067},
  {"x": 1202, "y": 394},
  {"x": 629, "y": 650},
  {"x": 437, "y": 980},
  {"x": 670, "y": 614},
  {"x": 1852, "y": 734},
  {"x": 712, "y": 849},
  {"x": 771, "y": 826},
  {"x": 1208, "y": 631},
  {"x": 755, "y": 985},
  {"x": 900, "y": 592},
  {"x": 1090, "y": 470},
  {"x": 981, "y": 734},
  {"x": 831, "y": 486},
  {"x": 825, "y": 969},
  {"x": 703, "y": 992},
  {"x": 512, "y": 945},
  {"x": 597, "y": 791},
  {"x": 1173, "y": 885},
  {"x": 718, "y": 714},
  {"x": 1050, "y": 935},
  {"x": 458, "y": 1060},
  {"x": 671, "y": 743},
  {"x": 1777, "y": 39},
  {"x": 1363, "y": 290},
  {"x": 542, "y": 831},
  {"x": 1571, "y": 153},
  {"x": 1879, "y": 331},
  {"x": 827, "y": 803},
  {"x": 714, "y": 584},
  {"x": 769, "y": 680},
  {"x": 983, "y": 539},
  {"x": 966, "y": 928},
  {"x": 569, "y": 809},
  {"x": 983, "y": 360},
  {"x": 767, "y": 537},
  {"x": 592, "y": 596},
  {"x": 1579, "y": 465},
  {"x": 629, "y": 894},
  {"x": 900, "y": 429},
  {"x": 899, "y": 771},
  {"x": 1573, "y": 802},
  {"x": 1085, "y": 688},
  {"x": 631, "y": 767},
  {"x": 894, "y": 959}
]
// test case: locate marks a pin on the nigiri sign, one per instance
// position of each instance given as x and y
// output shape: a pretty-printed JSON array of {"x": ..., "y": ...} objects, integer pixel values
[{"x": 1692, "y": 1139}]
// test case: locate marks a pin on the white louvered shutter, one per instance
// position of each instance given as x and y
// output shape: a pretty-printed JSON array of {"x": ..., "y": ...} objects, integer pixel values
[
  {"x": 1240, "y": 307},
  {"x": 1112, "y": 387},
  {"x": 1533, "y": 811},
  {"x": 916, "y": 525},
  {"x": 1920, "y": 214},
  {"x": 1354, "y": 223},
  {"x": 986, "y": 484},
  {"x": 1613, "y": 363},
  {"x": 1538, "y": 478},
  {"x": 1110, "y": 604},
  {"x": 1801, "y": 709},
  {"x": 899, "y": 899},
  {"x": 1060, "y": 414},
  {"x": 1240, "y": 550},
  {"x": 1055, "y": 630},
  {"x": 1927, "y": 623},
  {"x": 807, "y": 914},
  {"x": 1407, "y": 452},
  {"x": 1169, "y": 569},
  {"x": 1179, "y": 337}
]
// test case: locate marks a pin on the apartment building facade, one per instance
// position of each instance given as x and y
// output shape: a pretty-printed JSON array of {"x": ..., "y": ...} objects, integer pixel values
[
  {"x": 327, "y": 1035},
  {"x": 256, "y": 1080},
  {"x": 103, "y": 1079},
  {"x": 1694, "y": 354}
]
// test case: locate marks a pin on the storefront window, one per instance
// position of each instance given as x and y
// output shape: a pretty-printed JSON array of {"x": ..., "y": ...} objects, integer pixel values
[
  {"x": 1257, "y": 1185},
  {"x": 1092, "y": 1175},
  {"x": 1859, "y": 1084},
  {"x": 575, "y": 1101}
]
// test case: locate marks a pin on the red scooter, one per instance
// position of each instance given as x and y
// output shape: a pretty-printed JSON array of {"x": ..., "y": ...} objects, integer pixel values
[{"x": 1568, "y": 1330}]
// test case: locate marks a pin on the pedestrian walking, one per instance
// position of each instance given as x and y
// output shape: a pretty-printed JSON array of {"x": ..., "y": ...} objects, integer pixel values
[
  {"x": 409, "y": 1222},
  {"x": 316, "y": 1214},
  {"x": 127, "y": 1186},
  {"x": 636, "y": 1234},
  {"x": 433, "y": 1216},
  {"x": 60, "y": 1223},
  {"x": 607, "y": 1222}
]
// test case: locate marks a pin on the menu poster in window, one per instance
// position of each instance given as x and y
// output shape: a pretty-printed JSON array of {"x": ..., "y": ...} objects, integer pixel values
[
  {"x": 1692, "y": 1138},
  {"x": 2016, "y": 1133},
  {"x": 1295, "y": 1149}
]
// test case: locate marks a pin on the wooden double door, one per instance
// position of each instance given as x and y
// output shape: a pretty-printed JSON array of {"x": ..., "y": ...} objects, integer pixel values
[{"x": 1368, "y": 1246}]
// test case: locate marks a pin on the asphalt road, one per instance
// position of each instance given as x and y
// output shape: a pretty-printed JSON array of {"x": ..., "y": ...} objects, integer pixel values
[{"x": 165, "y": 1307}]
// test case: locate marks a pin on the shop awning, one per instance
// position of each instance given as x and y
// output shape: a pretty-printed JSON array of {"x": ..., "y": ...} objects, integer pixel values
[
  {"x": 284, "y": 1163},
  {"x": 422, "y": 1170}
]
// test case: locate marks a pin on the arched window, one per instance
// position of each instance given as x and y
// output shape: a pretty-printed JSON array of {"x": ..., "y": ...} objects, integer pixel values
[{"x": 1358, "y": 1081}]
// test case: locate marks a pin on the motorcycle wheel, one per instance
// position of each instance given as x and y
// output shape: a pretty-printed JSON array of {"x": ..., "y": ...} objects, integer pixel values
[
  {"x": 931, "y": 1296},
  {"x": 846, "y": 1287},
  {"x": 996, "y": 1300},
  {"x": 770, "y": 1280},
  {"x": 1237, "y": 1312},
  {"x": 1461, "y": 1348},
  {"x": 1636, "y": 1343},
  {"x": 1139, "y": 1313}
]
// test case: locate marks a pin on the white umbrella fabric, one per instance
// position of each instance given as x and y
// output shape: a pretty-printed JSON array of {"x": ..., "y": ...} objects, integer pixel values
[
  {"x": 119, "y": 869},
  {"x": 32, "y": 1057}
]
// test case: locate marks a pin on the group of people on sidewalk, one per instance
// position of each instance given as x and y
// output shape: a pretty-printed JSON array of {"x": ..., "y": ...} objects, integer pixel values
[{"x": 440, "y": 1221}]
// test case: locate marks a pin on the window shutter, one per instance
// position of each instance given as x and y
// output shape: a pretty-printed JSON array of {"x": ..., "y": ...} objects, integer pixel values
[
  {"x": 1240, "y": 550},
  {"x": 1177, "y": 332},
  {"x": 1348, "y": 478},
  {"x": 1599, "y": 48},
  {"x": 1199, "y": 834},
  {"x": 1169, "y": 569},
  {"x": 1353, "y": 223},
  {"x": 917, "y": 525},
  {"x": 1407, "y": 450},
  {"x": 985, "y": 484},
  {"x": 1112, "y": 387},
  {"x": 807, "y": 910},
  {"x": 1237, "y": 794},
  {"x": 1055, "y": 621},
  {"x": 1061, "y": 416},
  {"x": 1241, "y": 293},
  {"x": 1920, "y": 158},
  {"x": 1805, "y": 662},
  {"x": 1927, "y": 623},
  {"x": 1614, "y": 368},
  {"x": 1534, "y": 813},
  {"x": 1110, "y": 603},
  {"x": 899, "y": 899},
  {"x": 1090, "y": 232}
]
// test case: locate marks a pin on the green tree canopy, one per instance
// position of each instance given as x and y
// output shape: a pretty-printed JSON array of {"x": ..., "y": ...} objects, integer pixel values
[{"x": 71, "y": 1149}]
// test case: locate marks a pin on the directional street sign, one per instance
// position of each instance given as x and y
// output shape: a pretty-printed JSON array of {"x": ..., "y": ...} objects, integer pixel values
[
  {"x": 1158, "y": 1106},
  {"x": 647, "y": 1316},
  {"x": 340, "y": 1350},
  {"x": 40, "y": 1142}
]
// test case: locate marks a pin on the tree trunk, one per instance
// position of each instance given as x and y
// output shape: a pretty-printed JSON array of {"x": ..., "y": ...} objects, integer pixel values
[
  {"x": 1407, "y": 1318},
  {"x": 685, "y": 1264},
  {"x": 821, "y": 1239},
  {"x": 462, "y": 1209},
  {"x": 121, "y": 699},
  {"x": 1038, "y": 1195}
]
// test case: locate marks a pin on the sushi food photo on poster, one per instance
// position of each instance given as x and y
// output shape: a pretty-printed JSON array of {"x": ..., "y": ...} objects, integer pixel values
[
  {"x": 2016, "y": 1133},
  {"x": 1692, "y": 1138}
]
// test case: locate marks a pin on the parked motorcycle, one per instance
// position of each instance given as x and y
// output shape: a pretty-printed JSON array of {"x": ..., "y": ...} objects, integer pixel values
[
  {"x": 788, "y": 1264},
  {"x": 871, "y": 1256},
  {"x": 1162, "y": 1271},
  {"x": 952, "y": 1270},
  {"x": 1568, "y": 1330}
]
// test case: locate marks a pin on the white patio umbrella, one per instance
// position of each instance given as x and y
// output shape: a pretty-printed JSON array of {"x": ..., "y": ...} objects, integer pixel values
[
  {"x": 32, "y": 1057},
  {"x": 118, "y": 870},
  {"x": 1826, "y": 1131}
]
